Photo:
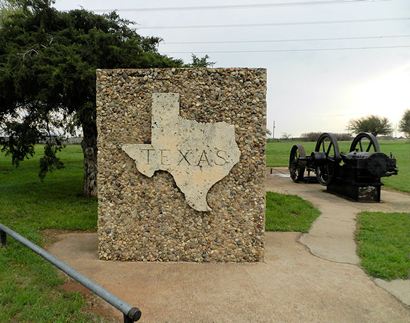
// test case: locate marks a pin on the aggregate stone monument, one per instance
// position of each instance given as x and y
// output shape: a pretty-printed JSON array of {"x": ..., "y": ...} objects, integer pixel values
[{"x": 181, "y": 164}]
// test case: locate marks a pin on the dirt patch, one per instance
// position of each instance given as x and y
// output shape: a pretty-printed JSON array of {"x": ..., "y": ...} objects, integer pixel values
[
  {"x": 94, "y": 304},
  {"x": 51, "y": 236}
]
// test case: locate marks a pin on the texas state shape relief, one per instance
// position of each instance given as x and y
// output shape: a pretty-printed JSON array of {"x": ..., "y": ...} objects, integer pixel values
[{"x": 196, "y": 154}]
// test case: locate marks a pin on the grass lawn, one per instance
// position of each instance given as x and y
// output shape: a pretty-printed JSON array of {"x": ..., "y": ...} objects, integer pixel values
[
  {"x": 401, "y": 151},
  {"x": 277, "y": 154},
  {"x": 29, "y": 286},
  {"x": 383, "y": 241},
  {"x": 289, "y": 213}
]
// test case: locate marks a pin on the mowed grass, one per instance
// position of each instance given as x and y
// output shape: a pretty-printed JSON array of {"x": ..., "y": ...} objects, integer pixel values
[
  {"x": 277, "y": 154},
  {"x": 401, "y": 151},
  {"x": 289, "y": 213},
  {"x": 383, "y": 241},
  {"x": 30, "y": 288}
]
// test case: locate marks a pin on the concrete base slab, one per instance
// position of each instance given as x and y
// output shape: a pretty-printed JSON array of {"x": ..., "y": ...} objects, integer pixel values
[
  {"x": 399, "y": 288},
  {"x": 290, "y": 286}
]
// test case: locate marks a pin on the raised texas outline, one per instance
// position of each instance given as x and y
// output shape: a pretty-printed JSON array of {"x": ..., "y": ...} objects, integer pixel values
[{"x": 196, "y": 154}]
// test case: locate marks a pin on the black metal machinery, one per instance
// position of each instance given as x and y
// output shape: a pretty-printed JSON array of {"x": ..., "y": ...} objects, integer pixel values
[{"x": 356, "y": 174}]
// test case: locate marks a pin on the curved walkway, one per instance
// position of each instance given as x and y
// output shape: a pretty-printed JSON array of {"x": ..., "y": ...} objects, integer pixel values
[
  {"x": 291, "y": 285},
  {"x": 331, "y": 236}
]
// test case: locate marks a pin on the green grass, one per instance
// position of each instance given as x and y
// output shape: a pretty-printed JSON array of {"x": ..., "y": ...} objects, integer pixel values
[
  {"x": 289, "y": 213},
  {"x": 383, "y": 241},
  {"x": 277, "y": 154},
  {"x": 29, "y": 286},
  {"x": 401, "y": 151}
]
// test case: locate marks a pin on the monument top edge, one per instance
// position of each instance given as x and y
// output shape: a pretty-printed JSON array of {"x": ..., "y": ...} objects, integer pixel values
[{"x": 215, "y": 69}]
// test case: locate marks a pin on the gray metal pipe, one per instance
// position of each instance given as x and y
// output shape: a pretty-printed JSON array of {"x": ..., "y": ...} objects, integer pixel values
[{"x": 129, "y": 312}]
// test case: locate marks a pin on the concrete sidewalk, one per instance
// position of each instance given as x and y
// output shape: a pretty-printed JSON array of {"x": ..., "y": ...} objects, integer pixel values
[
  {"x": 305, "y": 278},
  {"x": 290, "y": 286},
  {"x": 331, "y": 236}
]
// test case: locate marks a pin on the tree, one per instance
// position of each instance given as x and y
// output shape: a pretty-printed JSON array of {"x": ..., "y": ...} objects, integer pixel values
[
  {"x": 311, "y": 136},
  {"x": 286, "y": 136},
  {"x": 404, "y": 125},
  {"x": 374, "y": 124},
  {"x": 4, "y": 7},
  {"x": 48, "y": 62},
  {"x": 200, "y": 61}
]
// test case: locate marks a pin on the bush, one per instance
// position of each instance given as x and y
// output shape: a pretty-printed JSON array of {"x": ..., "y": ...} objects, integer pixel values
[
  {"x": 314, "y": 136},
  {"x": 344, "y": 136},
  {"x": 311, "y": 136}
]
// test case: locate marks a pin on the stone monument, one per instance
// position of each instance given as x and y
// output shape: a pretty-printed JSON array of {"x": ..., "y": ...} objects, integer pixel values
[{"x": 181, "y": 159}]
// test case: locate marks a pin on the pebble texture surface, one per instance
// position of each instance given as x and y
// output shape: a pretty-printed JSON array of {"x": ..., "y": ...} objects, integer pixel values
[{"x": 148, "y": 218}]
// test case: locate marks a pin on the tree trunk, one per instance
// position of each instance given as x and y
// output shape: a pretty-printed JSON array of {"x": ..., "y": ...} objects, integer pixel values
[{"x": 89, "y": 145}]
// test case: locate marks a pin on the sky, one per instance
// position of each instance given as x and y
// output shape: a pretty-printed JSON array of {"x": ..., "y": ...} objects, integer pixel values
[{"x": 307, "y": 89}]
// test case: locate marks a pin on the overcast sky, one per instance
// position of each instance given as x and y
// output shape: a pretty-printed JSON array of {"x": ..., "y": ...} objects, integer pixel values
[{"x": 308, "y": 90}]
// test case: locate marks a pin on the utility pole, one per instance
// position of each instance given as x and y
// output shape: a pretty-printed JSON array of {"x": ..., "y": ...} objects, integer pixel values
[{"x": 273, "y": 130}]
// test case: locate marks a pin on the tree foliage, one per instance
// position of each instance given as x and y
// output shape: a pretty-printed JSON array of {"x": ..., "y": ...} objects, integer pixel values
[
  {"x": 48, "y": 62},
  {"x": 373, "y": 124},
  {"x": 286, "y": 136},
  {"x": 200, "y": 61},
  {"x": 314, "y": 136},
  {"x": 6, "y": 8},
  {"x": 404, "y": 125}
]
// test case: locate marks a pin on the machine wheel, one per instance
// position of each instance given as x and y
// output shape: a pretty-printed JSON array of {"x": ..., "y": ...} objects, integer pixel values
[
  {"x": 365, "y": 142},
  {"x": 297, "y": 163},
  {"x": 328, "y": 147}
]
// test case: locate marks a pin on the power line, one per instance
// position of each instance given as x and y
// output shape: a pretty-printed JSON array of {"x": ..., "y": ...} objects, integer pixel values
[
  {"x": 282, "y": 40},
  {"x": 324, "y": 22},
  {"x": 240, "y": 6},
  {"x": 285, "y": 50}
]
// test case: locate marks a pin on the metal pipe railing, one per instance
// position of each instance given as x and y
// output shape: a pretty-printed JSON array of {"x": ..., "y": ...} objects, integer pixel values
[{"x": 131, "y": 314}]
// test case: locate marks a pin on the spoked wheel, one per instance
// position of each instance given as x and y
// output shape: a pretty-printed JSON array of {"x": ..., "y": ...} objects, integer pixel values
[
  {"x": 365, "y": 142},
  {"x": 297, "y": 163},
  {"x": 327, "y": 149}
]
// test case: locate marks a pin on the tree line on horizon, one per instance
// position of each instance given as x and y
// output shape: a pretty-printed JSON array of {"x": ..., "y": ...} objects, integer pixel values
[{"x": 374, "y": 124}]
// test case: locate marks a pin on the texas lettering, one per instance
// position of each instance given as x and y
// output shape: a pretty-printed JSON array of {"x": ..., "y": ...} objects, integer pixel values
[{"x": 197, "y": 157}]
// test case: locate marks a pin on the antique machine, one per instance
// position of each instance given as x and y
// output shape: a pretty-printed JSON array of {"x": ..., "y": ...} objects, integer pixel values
[{"x": 355, "y": 174}]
